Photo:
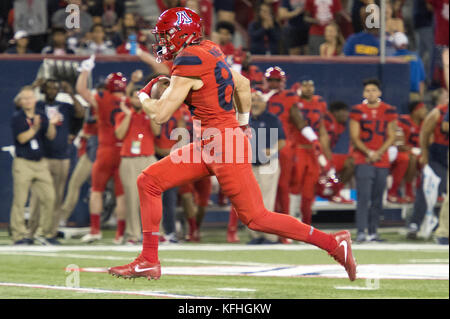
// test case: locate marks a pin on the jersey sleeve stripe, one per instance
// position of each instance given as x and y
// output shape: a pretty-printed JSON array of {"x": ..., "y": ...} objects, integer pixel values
[{"x": 187, "y": 60}]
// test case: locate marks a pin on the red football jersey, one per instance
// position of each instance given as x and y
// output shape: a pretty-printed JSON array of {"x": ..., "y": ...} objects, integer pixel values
[
  {"x": 410, "y": 130},
  {"x": 213, "y": 103},
  {"x": 108, "y": 106},
  {"x": 333, "y": 127},
  {"x": 312, "y": 112},
  {"x": 280, "y": 104},
  {"x": 163, "y": 140},
  {"x": 139, "y": 139},
  {"x": 440, "y": 137},
  {"x": 373, "y": 124}
]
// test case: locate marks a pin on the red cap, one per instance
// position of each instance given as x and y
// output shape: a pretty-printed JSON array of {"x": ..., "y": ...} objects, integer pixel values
[
  {"x": 275, "y": 72},
  {"x": 116, "y": 82}
]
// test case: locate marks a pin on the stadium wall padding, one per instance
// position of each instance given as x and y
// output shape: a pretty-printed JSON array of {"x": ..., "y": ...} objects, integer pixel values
[{"x": 335, "y": 79}]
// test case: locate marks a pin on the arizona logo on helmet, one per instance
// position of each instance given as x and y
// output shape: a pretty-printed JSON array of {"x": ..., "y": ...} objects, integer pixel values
[{"x": 182, "y": 17}]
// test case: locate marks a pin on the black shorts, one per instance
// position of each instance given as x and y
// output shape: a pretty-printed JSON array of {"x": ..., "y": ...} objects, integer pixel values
[
  {"x": 296, "y": 36},
  {"x": 226, "y": 5}
]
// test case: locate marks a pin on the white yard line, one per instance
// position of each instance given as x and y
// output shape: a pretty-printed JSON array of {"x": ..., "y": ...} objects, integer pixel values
[
  {"x": 105, "y": 291},
  {"x": 224, "y": 247}
]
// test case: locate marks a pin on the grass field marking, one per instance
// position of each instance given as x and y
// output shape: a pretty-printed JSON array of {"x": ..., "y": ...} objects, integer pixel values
[
  {"x": 236, "y": 289},
  {"x": 225, "y": 247},
  {"x": 354, "y": 288},
  {"x": 174, "y": 260},
  {"x": 105, "y": 291},
  {"x": 426, "y": 261},
  {"x": 59, "y": 255}
]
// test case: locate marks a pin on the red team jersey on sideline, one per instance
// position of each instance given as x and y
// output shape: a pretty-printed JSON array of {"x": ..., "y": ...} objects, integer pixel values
[
  {"x": 213, "y": 102},
  {"x": 108, "y": 106},
  {"x": 373, "y": 123},
  {"x": 280, "y": 104},
  {"x": 410, "y": 130},
  {"x": 440, "y": 137},
  {"x": 163, "y": 141},
  {"x": 139, "y": 139},
  {"x": 312, "y": 112},
  {"x": 333, "y": 127}
]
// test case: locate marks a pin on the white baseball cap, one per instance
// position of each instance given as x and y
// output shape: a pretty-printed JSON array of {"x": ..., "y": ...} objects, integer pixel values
[
  {"x": 400, "y": 39},
  {"x": 20, "y": 34}
]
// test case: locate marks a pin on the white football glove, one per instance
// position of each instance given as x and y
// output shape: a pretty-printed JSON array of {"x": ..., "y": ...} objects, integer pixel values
[{"x": 87, "y": 65}]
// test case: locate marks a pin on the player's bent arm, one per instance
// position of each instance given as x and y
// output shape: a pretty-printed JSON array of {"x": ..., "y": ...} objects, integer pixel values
[
  {"x": 24, "y": 137},
  {"x": 156, "y": 128},
  {"x": 151, "y": 61},
  {"x": 83, "y": 90},
  {"x": 428, "y": 125},
  {"x": 355, "y": 138},
  {"x": 242, "y": 94},
  {"x": 324, "y": 140},
  {"x": 51, "y": 131},
  {"x": 391, "y": 129},
  {"x": 122, "y": 129},
  {"x": 297, "y": 118},
  {"x": 161, "y": 110}
]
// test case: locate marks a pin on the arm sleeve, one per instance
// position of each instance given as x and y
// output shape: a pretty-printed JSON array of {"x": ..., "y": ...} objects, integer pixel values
[
  {"x": 356, "y": 114},
  {"x": 18, "y": 126},
  {"x": 391, "y": 114}
]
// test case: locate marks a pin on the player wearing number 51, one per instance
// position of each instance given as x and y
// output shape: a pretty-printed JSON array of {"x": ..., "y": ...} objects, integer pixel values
[
  {"x": 372, "y": 132},
  {"x": 29, "y": 129},
  {"x": 202, "y": 80}
]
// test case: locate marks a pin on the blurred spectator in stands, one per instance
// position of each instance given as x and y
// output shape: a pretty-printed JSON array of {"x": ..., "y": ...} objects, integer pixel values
[
  {"x": 20, "y": 43},
  {"x": 252, "y": 72},
  {"x": 58, "y": 44},
  {"x": 264, "y": 32},
  {"x": 320, "y": 13},
  {"x": 370, "y": 152},
  {"x": 57, "y": 150},
  {"x": 60, "y": 17},
  {"x": 29, "y": 129},
  {"x": 6, "y": 30},
  {"x": 365, "y": 43},
  {"x": 393, "y": 24},
  {"x": 423, "y": 31},
  {"x": 441, "y": 40},
  {"x": 334, "y": 41},
  {"x": 296, "y": 30},
  {"x": 31, "y": 16},
  {"x": 108, "y": 12},
  {"x": 224, "y": 34},
  {"x": 224, "y": 10},
  {"x": 97, "y": 44},
  {"x": 358, "y": 8},
  {"x": 416, "y": 70},
  {"x": 132, "y": 43}
]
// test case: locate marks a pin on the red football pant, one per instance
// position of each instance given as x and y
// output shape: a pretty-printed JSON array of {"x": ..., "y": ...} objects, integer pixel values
[
  {"x": 398, "y": 171},
  {"x": 238, "y": 184},
  {"x": 286, "y": 161},
  {"x": 106, "y": 166},
  {"x": 306, "y": 173}
]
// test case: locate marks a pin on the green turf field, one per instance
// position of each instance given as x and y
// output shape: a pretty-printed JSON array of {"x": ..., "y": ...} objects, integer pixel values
[{"x": 220, "y": 270}]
